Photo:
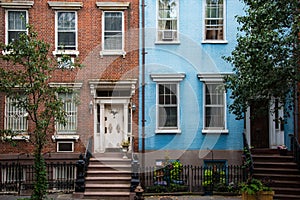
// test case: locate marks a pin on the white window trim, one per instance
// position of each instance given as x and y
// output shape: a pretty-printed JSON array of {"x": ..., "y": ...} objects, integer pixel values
[
  {"x": 58, "y": 52},
  {"x": 60, "y": 142},
  {"x": 113, "y": 5},
  {"x": 17, "y": 4},
  {"x": 68, "y": 136},
  {"x": 6, "y": 22},
  {"x": 21, "y": 136},
  {"x": 66, "y": 7},
  {"x": 177, "y": 41},
  {"x": 168, "y": 79},
  {"x": 224, "y": 41},
  {"x": 113, "y": 52},
  {"x": 213, "y": 78}
]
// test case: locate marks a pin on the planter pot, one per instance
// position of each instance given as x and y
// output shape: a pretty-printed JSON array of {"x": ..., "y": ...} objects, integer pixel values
[{"x": 262, "y": 195}]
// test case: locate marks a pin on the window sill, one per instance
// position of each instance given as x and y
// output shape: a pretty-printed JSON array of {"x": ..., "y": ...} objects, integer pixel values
[
  {"x": 167, "y": 131},
  {"x": 214, "y": 42},
  {"x": 65, "y": 137},
  {"x": 66, "y": 52},
  {"x": 216, "y": 131},
  {"x": 17, "y": 137},
  {"x": 112, "y": 53},
  {"x": 167, "y": 42}
]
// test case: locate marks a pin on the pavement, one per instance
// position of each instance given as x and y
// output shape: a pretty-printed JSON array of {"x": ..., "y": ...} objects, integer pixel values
[{"x": 70, "y": 197}]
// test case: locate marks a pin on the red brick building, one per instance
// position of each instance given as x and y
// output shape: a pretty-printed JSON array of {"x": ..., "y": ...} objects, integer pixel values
[{"x": 103, "y": 36}]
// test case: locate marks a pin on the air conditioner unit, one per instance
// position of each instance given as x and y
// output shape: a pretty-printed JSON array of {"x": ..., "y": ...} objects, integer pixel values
[{"x": 168, "y": 35}]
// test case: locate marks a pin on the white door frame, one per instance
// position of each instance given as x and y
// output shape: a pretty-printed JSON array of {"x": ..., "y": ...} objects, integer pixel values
[
  {"x": 99, "y": 140},
  {"x": 276, "y": 134}
]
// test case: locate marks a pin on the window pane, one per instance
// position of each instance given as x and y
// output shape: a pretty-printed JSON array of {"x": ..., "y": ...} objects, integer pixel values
[
  {"x": 70, "y": 109},
  {"x": 214, "y": 106},
  {"x": 214, "y": 23},
  {"x": 66, "y": 39},
  {"x": 66, "y": 21},
  {"x": 167, "y": 105},
  {"x": 113, "y": 32},
  {"x": 113, "y": 21},
  {"x": 17, "y": 20},
  {"x": 168, "y": 117},
  {"x": 15, "y": 117},
  {"x": 214, "y": 117},
  {"x": 66, "y": 27},
  {"x": 16, "y": 24}
]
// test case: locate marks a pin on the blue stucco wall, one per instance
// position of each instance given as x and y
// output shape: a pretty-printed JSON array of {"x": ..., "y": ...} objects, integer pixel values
[{"x": 190, "y": 57}]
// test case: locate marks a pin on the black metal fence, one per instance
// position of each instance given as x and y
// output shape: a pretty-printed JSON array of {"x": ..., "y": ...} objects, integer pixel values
[
  {"x": 16, "y": 177},
  {"x": 220, "y": 178}
]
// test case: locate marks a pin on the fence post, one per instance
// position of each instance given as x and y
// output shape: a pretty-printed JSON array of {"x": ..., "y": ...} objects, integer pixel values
[{"x": 80, "y": 176}]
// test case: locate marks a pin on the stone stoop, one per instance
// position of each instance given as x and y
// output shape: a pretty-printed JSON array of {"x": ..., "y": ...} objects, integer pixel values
[
  {"x": 108, "y": 177},
  {"x": 282, "y": 171}
]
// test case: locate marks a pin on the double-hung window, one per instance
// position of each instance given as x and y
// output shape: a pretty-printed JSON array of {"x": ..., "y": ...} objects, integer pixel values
[
  {"x": 214, "y": 103},
  {"x": 167, "y": 20},
  {"x": 113, "y": 31},
  {"x": 214, "y": 107},
  {"x": 214, "y": 20},
  {"x": 167, "y": 106},
  {"x": 66, "y": 30},
  {"x": 167, "y": 102},
  {"x": 16, "y": 24},
  {"x": 70, "y": 109},
  {"x": 15, "y": 116}
]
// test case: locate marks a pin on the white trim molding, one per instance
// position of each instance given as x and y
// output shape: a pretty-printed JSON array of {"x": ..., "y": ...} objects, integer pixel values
[
  {"x": 65, "y": 137},
  {"x": 210, "y": 77},
  {"x": 17, "y": 4},
  {"x": 59, "y": 5},
  {"x": 113, "y": 5},
  {"x": 68, "y": 85},
  {"x": 167, "y": 77}
]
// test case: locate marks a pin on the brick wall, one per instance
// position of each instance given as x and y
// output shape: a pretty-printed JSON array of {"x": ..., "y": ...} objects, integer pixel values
[{"x": 42, "y": 17}]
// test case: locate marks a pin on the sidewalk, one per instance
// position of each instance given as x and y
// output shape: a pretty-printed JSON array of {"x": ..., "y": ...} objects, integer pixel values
[{"x": 191, "y": 197}]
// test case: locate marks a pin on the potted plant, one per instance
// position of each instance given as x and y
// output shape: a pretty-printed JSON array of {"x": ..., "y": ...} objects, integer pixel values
[
  {"x": 255, "y": 189},
  {"x": 282, "y": 150},
  {"x": 125, "y": 146}
]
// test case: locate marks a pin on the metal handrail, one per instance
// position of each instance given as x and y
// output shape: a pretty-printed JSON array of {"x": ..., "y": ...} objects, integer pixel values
[{"x": 295, "y": 148}]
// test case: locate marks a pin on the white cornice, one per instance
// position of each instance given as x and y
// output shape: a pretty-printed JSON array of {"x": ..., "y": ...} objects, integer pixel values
[
  {"x": 58, "y": 5},
  {"x": 113, "y": 5},
  {"x": 17, "y": 4},
  {"x": 67, "y": 85},
  {"x": 168, "y": 77},
  {"x": 210, "y": 77}
]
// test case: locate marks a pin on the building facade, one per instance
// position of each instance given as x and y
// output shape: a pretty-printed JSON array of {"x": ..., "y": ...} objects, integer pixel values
[
  {"x": 186, "y": 106},
  {"x": 103, "y": 37}
]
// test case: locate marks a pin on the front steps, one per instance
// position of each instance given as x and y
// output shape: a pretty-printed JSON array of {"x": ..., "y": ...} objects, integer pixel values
[
  {"x": 108, "y": 177},
  {"x": 280, "y": 170}
]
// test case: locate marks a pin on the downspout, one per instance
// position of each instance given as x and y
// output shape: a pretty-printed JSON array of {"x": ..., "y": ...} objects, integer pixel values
[{"x": 143, "y": 91}]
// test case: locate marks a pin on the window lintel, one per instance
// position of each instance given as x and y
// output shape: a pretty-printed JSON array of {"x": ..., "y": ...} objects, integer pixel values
[
  {"x": 168, "y": 77},
  {"x": 58, "y": 5},
  {"x": 113, "y": 5},
  {"x": 208, "y": 77},
  {"x": 17, "y": 4}
]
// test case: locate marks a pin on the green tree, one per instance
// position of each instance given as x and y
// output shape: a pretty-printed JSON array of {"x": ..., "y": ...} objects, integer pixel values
[
  {"x": 25, "y": 77},
  {"x": 265, "y": 59}
]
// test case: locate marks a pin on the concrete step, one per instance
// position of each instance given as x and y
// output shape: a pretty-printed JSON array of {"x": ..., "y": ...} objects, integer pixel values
[
  {"x": 286, "y": 197},
  {"x": 288, "y": 165},
  {"x": 107, "y": 195},
  {"x": 107, "y": 187},
  {"x": 282, "y": 171}
]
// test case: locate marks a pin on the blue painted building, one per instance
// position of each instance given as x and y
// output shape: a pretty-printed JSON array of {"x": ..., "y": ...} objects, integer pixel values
[
  {"x": 186, "y": 108},
  {"x": 186, "y": 113}
]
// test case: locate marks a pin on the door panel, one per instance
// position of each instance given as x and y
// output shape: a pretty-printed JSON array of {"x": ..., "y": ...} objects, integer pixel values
[
  {"x": 259, "y": 126},
  {"x": 113, "y": 125}
]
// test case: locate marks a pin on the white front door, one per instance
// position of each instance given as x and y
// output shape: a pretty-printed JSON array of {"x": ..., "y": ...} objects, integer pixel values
[{"x": 113, "y": 125}]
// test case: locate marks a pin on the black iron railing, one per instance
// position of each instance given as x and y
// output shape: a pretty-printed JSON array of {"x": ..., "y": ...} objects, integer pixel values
[
  {"x": 194, "y": 178},
  {"x": 82, "y": 166},
  {"x": 295, "y": 148},
  {"x": 16, "y": 177}
]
